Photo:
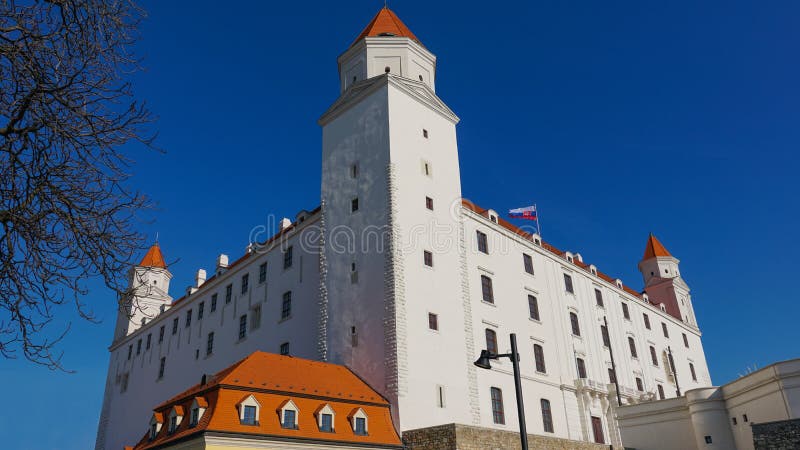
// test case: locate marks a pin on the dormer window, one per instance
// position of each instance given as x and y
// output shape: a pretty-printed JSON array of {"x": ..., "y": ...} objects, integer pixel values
[
  {"x": 358, "y": 420},
  {"x": 199, "y": 406},
  {"x": 249, "y": 410},
  {"x": 156, "y": 421},
  {"x": 325, "y": 418},
  {"x": 175, "y": 418},
  {"x": 195, "y": 417},
  {"x": 287, "y": 412}
]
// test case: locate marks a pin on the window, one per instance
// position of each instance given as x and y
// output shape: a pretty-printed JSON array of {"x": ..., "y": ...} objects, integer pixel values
[
  {"x": 285, "y": 349},
  {"x": 245, "y": 282},
  {"x": 429, "y": 203},
  {"x": 661, "y": 395},
  {"x": 249, "y": 415},
  {"x": 486, "y": 288},
  {"x": 326, "y": 423},
  {"x": 354, "y": 205},
  {"x": 188, "y": 318},
  {"x": 289, "y": 419},
  {"x": 568, "y": 284},
  {"x": 424, "y": 131},
  {"x": 744, "y": 418},
  {"x": 213, "y": 302},
  {"x": 130, "y": 352},
  {"x": 353, "y": 337},
  {"x": 440, "y": 396},
  {"x": 354, "y": 167},
  {"x": 664, "y": 329},
  {"x": 139, "y": 346},
  {"x": 491, "y": 341},
  {"x": 433, "y": 321},
  {"x": 173, "y": 424},
  {"x": 498, "y": 415},
  {"x": 154, "y": 430},
  {"x": 653, "y": 356},
  {"x": 174, "y": 325},
  {"x": 161, "y": 365},
  {"x": 646, "y": 320},
  {"x": 625, "y": 313},
  {"x": 639, "y": 384},
  {"x": 147, "y": 345},
  {"x": 527, "y": 261},
  {"x": 533, "y": 307},
  {"x": 685, "y": 341},
  {"x": 262, "y": 273},
  {"x": 287, "y": 258},
  {"x": 210, "y": 344},
  {"x": 691, "y": 369},
  {"x": 538, "y": 353},
  {"x": 194, "y": 417},
  {"x": 200, "y": 309},
  {"x": 632, "y": 345},
  {"x": 228, "y": 293},
  {"x": 547, "y": 416},
  {"x": 427, "y": 258},
  {"x": 573, "y": 319},
  {"x": 426, "y": 168},
  {"x": 361, "y": 426},
  {"x": 581, "y": 367},
  {"x": 161, "y": 334},
  {"x": 604, "y": 333},
  {"x": 733, "y": 419},
  {"x": 598, "y": 296},
  {"x": 286, "y": 305},
  {"x": 243, "y": 326},
  {"x": 708, "y": 439},
  {"x": 483, "y": 243},
  {"x": 612, "y": 375}
]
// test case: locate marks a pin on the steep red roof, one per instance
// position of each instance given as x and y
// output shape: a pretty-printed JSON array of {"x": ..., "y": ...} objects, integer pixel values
[
  {"x": 153, "y": 258},
  {"x": 386, "y": 23},
  {"x": 654, "y": 248}
]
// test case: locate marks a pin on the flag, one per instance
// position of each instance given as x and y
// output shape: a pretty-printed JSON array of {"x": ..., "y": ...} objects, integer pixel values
[{"x": 527, "y": 213}]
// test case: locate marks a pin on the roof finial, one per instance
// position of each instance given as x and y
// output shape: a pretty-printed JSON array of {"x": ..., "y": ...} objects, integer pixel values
[
  {"x": 385, "y": 4},
  {"x": 156, "y": 237}
]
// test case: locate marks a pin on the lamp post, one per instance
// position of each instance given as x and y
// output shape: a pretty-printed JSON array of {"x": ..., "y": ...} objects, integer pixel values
[{"x": 484, "y": 362}]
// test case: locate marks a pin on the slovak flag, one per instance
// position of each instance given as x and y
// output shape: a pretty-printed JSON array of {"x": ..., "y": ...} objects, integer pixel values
[{"x": 527, "y": 213}]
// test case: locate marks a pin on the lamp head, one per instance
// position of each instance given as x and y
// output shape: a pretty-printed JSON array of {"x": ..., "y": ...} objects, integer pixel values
[{"x": 484, "y": 361}]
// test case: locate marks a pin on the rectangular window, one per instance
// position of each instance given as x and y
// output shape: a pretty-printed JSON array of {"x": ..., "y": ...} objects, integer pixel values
[
  {"x": 188, "y": 318},
  {"x": 130, "y": 352},
  {"x": 354, "y": 171},
  {"x": 287, "y": 258},
  {"x": 194, "y": 417},
  {"x": 604, "y": 333},
  {"x": 538, "y": 353},
  {"x": 249, "y": 415},
  {"x": 498, "y": 415},
  {"x": 433, "y": 321},
  {"x": 286, "y": 305},
  {"x": 612, "y": 376},
  {"x": 576, "y": 328},
  {"x": 326, "y": 423},
  {"x": 245, "y": 283},
  {"x": 284, "y": 349},
  {"x": 733, "y": 419},
  {"x": 425, "y": 133},
  {"x": 175, "y": 326},
  {"x": 639, "y": 385},
  {"x": 664, "y": 329},
  {"x": 147, "y": 345},
  {"x": 625, "y": 313},
  {"x": 533, "y": 307},
  {"x": 427, "y": 258},
  {"x": 354, "y": 205},
  {"x": 661, "y": 395},
  {"x": 161, "y": 334},
  {"x": 228, "y": 293},
  {"x": 483, "y": 242},
  {"x": 491, "y": 341},
  {"x": 646, "y": 320},
  {"x": 632, "y": 345},
  {"x": 653, "y": 356},
  {"x": 243, "y": 326},
  {"x": 361, "y": 426},
  {"x": 213, "y": 302},
  {"x": 210, "y": 344},
  {"x": 440, "y": 396},
  {"x": 200, "y": 307},
  {"x": 429, "y": 203},
  {"x": 568, "y": 284},
  {"x": 691, "y": 369},
  {"x": 255, "y": 318},
  {"x": 598, "y": 296},
  {"x": 139, "y": 346},
  {"x": 547, "y": 416},
  {"x": 581, "y": 368},
  {"x": 262, "y": 273},
  {"x": 527, "y": 262},
  {"x": 486, "y": 288},
  {"x": 685, "y": 341},
  {"x": 161, "y": 366},
  {"x": 289, "y": 419}
]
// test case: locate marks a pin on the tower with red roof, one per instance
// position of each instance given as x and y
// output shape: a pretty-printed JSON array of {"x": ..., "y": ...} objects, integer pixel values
[
  {"x": 663, "y": 283},
  {"x": 148, "y": 292}
]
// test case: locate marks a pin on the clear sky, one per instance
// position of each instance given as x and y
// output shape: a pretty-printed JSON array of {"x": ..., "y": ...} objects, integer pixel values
[{"x": 617, "y": 117}]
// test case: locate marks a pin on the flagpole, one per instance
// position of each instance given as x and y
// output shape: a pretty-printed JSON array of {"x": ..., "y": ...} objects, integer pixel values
[{"x": 538, "y": 223}]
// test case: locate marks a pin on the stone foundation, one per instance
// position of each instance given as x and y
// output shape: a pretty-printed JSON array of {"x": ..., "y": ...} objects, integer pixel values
[
  {"x": 464, "y": 437},
  {"x": 780, "y": 435}
]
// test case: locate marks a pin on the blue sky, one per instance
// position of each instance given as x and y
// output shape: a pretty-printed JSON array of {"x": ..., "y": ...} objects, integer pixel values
[{"x": 618, "y": 118}]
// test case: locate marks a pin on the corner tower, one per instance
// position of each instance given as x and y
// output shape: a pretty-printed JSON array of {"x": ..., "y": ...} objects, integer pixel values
[
  {"x": 148, "y": 293},
  {"x": 663, "y": 283}
]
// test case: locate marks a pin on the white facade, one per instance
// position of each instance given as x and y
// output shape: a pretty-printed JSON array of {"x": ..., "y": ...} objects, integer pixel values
[
  {"x": 715, "y": 417},
  {"x": 391, "y": 192}
]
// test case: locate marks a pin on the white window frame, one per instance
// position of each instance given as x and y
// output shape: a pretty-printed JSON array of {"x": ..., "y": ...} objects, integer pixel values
[
  {"x": 325, "y": 409},
  {"x": 359, "y": 413},
  {"x": 250, "y": 400},
  {"x": 290, "y": 406}
]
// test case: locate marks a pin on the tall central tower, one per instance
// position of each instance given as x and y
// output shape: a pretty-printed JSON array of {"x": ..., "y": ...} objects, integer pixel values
[{"x": 393, "y": 263}]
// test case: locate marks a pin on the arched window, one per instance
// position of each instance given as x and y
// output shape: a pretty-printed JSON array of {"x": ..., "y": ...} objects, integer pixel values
[{"x": 576, "y": 329}]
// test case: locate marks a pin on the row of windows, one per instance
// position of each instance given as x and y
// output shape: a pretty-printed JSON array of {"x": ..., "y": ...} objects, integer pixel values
[{"x": 498, "y": 410}]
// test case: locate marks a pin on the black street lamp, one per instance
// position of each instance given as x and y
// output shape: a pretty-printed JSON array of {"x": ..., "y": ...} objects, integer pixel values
[{"x": 485, "y": 362}]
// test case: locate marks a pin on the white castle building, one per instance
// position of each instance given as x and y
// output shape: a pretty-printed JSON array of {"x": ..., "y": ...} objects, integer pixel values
[{"x": 398, "y": 277}]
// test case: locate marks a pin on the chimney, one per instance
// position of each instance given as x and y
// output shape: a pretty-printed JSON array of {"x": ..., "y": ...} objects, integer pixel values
[
  {"x": 190, "y": 290},
  {"x": 222, "y": 262},
  {"x": 285, "y": 223},
  {"x": 200, "y": 278}
]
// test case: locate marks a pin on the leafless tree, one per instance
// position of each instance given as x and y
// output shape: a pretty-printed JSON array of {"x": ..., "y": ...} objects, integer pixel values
[{"x": 66, "y": 213}]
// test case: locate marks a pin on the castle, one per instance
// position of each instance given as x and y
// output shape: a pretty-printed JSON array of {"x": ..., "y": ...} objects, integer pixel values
[{"x": 398, "y": 277}]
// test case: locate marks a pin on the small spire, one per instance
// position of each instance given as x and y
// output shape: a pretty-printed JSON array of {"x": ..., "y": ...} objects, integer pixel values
[
  {"x": 153, "y": 258},
  {"x": 654, "y": 248},
  {"x": 386, "y": 23}
]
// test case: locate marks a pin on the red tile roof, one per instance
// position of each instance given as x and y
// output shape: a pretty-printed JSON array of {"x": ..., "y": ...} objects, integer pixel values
[
  {"x": 272, "y": 380},
  {"x": 654, "y": 248},
  {"x": 386, "y": 23},
  {"x": 153, "y": 258}
]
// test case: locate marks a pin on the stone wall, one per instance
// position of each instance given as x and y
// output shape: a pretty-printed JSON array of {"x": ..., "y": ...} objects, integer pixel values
[
  {"x": 780, "y": 435},
  {"x": 463, "y": 437}
]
